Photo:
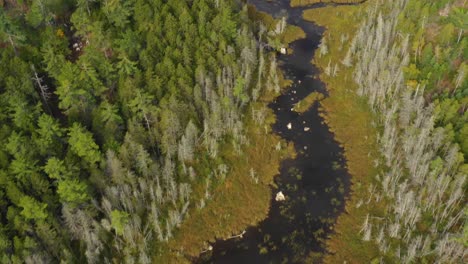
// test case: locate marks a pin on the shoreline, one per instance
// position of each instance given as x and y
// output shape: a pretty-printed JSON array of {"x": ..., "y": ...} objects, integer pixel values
[
  {"x": 208, "y": 225},
  {"x": 323, "y": 208},
  {"x": 350, "y": 119}
]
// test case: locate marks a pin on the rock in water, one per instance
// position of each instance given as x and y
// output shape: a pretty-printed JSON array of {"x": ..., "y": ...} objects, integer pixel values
[
  {"x": 306, "y": 129},
  {"x": 283, "y": 51},
  {"x": 289, "y": 126},
  {"x": 280, "y": 197}
]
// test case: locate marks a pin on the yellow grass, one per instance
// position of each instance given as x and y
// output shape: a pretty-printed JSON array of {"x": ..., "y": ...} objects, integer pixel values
[
  {"x": 310, "y": 2},
  {"x": 237, "y": 202},
  {"x": 350, "y": 118},
  {"x": 307, "y": 102}
]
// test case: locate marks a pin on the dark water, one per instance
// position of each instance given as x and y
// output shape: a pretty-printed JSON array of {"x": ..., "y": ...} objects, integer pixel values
[{"x": 315, "y": 183}]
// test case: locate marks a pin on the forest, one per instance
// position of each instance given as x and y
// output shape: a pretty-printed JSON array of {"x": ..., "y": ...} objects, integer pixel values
[
  {"x": 418, "y": 51},
  {"x": 115, "y": 120},
  {"x": 422, "y": 98},
  {"x": 127, "y": 126}
]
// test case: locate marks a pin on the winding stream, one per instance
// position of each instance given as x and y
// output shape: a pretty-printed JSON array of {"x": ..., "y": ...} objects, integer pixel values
[{"x": 315, "y": 183}]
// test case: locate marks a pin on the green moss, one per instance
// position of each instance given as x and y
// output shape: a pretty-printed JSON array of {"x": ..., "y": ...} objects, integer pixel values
[{"x": 304, "y": 105}]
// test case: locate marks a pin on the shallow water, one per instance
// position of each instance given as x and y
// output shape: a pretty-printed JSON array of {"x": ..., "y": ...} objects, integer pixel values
[{"x": 315, "y": 183}]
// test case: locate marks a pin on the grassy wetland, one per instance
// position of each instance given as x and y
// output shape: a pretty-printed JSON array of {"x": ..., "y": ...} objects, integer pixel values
[
  {"x": 296, "y": 3},
  {"x": 243, "y": 197},
  {"x": 377, "y": 119},
  {"x": 351, "y": 119}
]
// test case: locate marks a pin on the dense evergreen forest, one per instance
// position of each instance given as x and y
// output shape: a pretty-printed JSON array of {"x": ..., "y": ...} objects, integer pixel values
[{"x": 112, "y": 117}]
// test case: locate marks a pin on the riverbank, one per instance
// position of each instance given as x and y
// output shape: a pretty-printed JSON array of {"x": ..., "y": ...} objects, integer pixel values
[
  {"x": 351, "y": 119},
  {"x": 243, "y": 198},
  {"x": 295, "y": 3},
  {"x": 315, "y": 183},
  {"x": 418, "y": 198}
]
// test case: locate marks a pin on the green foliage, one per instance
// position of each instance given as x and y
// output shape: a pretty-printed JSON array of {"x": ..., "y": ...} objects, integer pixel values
[
  {"x": 463, "y": 139},
  {"x": 55, "y": 168},
  {"x": 73, "y": 191},
  {"x": 459, "y": 17},
  {"x": 33, "y": 209},
  {"x": 36, "y": 14},
  {"x": 412, "y": 72},
  {"x": 119, "y": 219},
  {"x": 117, "y": 12},
  {"x": 239, "y": 90},
  {"x": 10, "y": 31},
  {"x": 156, "y": 85},
  {"x": 82, "y": 144},
  {"x": 440, "y": 67},
  {"x": 446, "y": 34},
  {"x": 49, "y": 133}
]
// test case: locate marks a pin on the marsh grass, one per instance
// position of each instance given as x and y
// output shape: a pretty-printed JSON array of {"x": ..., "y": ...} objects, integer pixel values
[
  {"x": 311, "y": 2},
  {"x": 237, "y": 201},
  {"x": 306, "y": 103},
  {"x": 350, "y": 119}
]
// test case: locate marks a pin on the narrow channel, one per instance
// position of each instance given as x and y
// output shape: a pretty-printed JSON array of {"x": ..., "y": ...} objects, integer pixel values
[{"x": 315, "y": 183}]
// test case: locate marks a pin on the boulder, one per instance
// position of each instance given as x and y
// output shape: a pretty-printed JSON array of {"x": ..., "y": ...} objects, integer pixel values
[{"x": 280, "y": 197}]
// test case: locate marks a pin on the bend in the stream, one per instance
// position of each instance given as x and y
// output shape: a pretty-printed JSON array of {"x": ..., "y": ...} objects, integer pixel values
[{"x": 316, "y": 182}]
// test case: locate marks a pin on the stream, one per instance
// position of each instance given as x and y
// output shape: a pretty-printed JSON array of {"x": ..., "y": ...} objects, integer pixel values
[{"x": 315, "y": 183}]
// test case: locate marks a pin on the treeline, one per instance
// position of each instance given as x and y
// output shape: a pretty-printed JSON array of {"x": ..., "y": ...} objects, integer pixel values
[
  {"x": 410, "y": 62},
  {"x": 112, "y": 118}
]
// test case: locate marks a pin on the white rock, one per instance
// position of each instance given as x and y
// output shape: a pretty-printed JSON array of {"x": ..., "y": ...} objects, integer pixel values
[
  {"x": 280, "y": 197},
  {"x": 299, "y": 81},
  {"x": 305, "y": 147},
  {"x": 306, "y": 129},
  {"x": 289, "y": 126},
  {"x": 283, "y": 50}
]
